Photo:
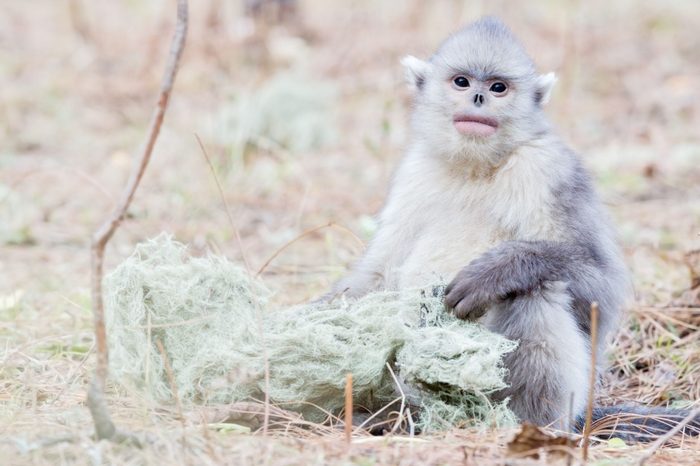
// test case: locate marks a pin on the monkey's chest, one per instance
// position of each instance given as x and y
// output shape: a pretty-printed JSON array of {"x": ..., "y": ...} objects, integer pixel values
[
  {"x": 446, "y": 229},
  {"x": 443, "y": 247},
  {"x": 451, "y": 237}
]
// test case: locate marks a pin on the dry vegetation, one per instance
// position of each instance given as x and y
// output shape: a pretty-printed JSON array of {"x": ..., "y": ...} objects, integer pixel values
[{"x": 324, "y": 122}]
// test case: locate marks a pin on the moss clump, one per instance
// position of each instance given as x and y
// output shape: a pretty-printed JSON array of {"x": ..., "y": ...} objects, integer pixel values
[{"x": 216, "y": 327}]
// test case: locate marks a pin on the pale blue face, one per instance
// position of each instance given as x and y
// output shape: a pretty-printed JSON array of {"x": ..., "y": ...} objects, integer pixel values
[
  {"x": 477, "y": 102},
  {"x": 479, "y": 93}
]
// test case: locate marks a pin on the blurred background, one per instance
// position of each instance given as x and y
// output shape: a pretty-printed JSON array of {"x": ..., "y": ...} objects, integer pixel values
[{"x": 302, "y": 109}]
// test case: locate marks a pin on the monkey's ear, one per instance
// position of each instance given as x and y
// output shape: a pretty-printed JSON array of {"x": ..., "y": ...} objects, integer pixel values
[
  {"x": 415, "y": 71},
  {"x": 544, "y": 86}
]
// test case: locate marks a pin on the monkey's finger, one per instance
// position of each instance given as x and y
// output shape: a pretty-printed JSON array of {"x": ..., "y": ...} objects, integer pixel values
[
  {"x": 460, "y": 278},
  {"x": 453, "y": 297},
  {"x": 466, "y": 309}
]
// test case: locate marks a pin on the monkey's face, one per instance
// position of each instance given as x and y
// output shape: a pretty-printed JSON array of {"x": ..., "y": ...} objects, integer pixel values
[
  {"x": 467, "y": 112},
  {"x": 478, "y": 97},
  {"x": 477, "y": 104}
]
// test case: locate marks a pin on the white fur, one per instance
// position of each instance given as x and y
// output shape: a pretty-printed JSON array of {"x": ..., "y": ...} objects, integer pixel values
[
  {"x": 454, "y": 197},
  {"x": 546, "y": 83},
  {"x": 415, "y": 70},
  {"x": 438, "y": 219}
]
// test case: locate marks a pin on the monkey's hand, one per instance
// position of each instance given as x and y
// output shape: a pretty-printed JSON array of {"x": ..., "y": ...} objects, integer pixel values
[
  {"x": 472, "y": 291},
  {"x": 506, "y": 271}
]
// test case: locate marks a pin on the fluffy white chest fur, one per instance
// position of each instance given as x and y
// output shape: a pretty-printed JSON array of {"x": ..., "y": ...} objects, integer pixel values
[{"x": 441, "y": 218}]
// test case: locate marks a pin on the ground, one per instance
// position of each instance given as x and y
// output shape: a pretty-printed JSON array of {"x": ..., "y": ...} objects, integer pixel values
[{"x": 304, "y": 122}]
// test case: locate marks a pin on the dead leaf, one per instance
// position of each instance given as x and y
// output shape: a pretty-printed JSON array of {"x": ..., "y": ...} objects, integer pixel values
[
  {"x": 692, "y": 260},
  {"x": 531, "y": 440},
  {"x": 691, "y": 297}
]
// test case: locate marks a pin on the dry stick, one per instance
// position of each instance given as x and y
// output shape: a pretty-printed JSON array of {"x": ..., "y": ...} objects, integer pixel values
[
  {"x": 300, "y": 236},
  {"x": 667, "y": 436},
  {"x": 226, "y": 206},
  {"x": 19, "y": 179},
  {"x": 266, "y": 367},
  {"x": 104, "y": 427},
  {"x": 173, "y": 388},
  {"x": 289, "y": 243},
  {"x": 348, "y": 408},
  {"x": 149, "y": 348},
  {"x": 411, "y": 424},
  {"x": 399, "y": 419},
  {"x": 591, "y": 386},
  {"x": 377, "y": 413}
]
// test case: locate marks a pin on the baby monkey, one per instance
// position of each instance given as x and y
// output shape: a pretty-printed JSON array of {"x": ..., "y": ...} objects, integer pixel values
[{"x": 489, "y": 197}]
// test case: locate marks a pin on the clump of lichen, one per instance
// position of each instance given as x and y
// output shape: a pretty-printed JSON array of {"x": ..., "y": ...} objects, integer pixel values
[{"x": 213, "y": 320}]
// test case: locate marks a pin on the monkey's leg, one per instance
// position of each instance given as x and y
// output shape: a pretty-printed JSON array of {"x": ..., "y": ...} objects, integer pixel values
[
  {"x": 551, "y": 363},
  {"x": 520, "y": 268}
]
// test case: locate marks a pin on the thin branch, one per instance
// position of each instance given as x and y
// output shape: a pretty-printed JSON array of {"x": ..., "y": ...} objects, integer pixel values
[
  {"x": 226, "y": 207},
  {"x": 376, "y": 414},
  {"x": 266, "y": 367},
  {"x": 411, "y": 424},
  {"x": 399, "y": 419},
  {"x": 104, "y": 427},
  {"x": 667, "y": 436},
  {"x": 348, "y": 408},
  {"x": 58, "y": 167},
  {"x": 173, "y": 388},
  {"x": 302, "y": 235}
]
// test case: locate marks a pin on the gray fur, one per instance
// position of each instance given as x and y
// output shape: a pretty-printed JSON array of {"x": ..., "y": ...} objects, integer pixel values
[
  {"x": 521, "y": 268},
  {"x": 538, "y": 388},
  {"x": 516, "y": 211},
  {"x": 638, "y": 423}
]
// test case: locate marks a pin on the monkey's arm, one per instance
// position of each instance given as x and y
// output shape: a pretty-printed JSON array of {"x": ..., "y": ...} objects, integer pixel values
[
  {"x": 368, "y": 274},
  {"x": 516, "y": 268},
  {"x": 387, "y": 250},
  {"x": 365, "y": 276}
]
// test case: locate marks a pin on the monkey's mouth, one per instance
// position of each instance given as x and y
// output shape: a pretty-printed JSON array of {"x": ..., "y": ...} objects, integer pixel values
[{"x": 472, "y": 125}]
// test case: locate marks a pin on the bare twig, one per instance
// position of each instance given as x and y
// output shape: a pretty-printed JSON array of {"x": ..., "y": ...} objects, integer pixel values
[
  {"x": 377, "y": 413},
  {"x": 173, "y": 388},
  {"x": 266, "y": 364},
  {"x": 226, "y": 206},
  {"x": 591, "y": 386},
  {"x": 411, "y": 424},
  {"x": 348, "y": 408},
  {"x": 399, "y": 419},
  {"x": 667, "y": 436},
  {"x": 302, "y": 235},
  {"x": 104, "y": 427},
  {"x": 52, "y": 169},
  {"x": 266, "y": 367}
]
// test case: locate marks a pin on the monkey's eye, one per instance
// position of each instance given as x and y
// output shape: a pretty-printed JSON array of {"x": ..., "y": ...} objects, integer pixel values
[
  {"x": 460, "y": 82},
  {"x": 498, "y": 88}
]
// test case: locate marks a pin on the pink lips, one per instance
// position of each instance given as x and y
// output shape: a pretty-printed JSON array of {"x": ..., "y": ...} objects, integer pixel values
[{"x": 471, "y": 125}]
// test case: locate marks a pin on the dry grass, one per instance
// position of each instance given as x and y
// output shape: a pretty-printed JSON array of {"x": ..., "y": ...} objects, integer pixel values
[{"x": 78, "y": 84}]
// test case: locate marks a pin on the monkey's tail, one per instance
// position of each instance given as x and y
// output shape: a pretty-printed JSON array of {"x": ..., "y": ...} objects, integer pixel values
[{"x": 638, "y": 423}]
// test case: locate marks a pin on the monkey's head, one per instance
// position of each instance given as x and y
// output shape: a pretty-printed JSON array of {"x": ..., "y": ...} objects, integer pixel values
[{"x": 479, "y": 96}]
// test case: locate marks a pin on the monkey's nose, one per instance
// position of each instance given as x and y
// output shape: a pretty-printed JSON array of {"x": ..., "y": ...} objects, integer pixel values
[{"x": 478, "y": 100}]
